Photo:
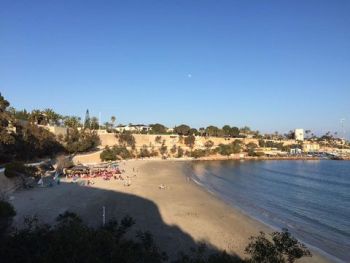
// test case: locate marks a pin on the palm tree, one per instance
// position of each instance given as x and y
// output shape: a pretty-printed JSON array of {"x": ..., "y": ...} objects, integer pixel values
[
  {"x": 52, "y": 116},
  {"x": 72, "y": 121},
  {"x": 35, "y": 116}
]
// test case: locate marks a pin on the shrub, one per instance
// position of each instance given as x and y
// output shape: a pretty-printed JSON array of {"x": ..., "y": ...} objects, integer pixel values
[
  {"x": 15, "y": 169},
  {"x": 144, "y": 152},
  {"x": 224, "y": 149},
  {"x": 122, "y": 152},
  {"x": 209, "y": 144},
  {"x": 180, "y": 152},
  {"x": 71, "y": 239},
  {"x": 158, "y": 139},
  {"x": 198, "y": 153},
  {"x": 189, "y": 140},
  {"x": 173, "y": 149},
  {"x": 228, "y": 149},
  {"x": 154, "y": 153},
  {"x": 259, "y": 154},
  {"x": 163, "y": 149},
  {"x": 108, "y": 154},
  {"x": 126, "y": 139}
]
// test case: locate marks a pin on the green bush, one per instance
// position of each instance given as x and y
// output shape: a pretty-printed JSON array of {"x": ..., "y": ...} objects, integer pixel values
[
  {"x": 180, "y": 152},
  {"x": 198, "y": 153},
  {"x": 190, "y": 140},
  {"x": 108, "y": 155},
  {"x": 122, "y": 152},
  {"x": 228, "y": 149},
  {"x": 144, "y": 152}
]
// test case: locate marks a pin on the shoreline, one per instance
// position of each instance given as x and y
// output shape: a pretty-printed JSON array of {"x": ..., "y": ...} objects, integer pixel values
[
  {"x": 319, "y": 252},
  {"x": 179, "y": 217}
]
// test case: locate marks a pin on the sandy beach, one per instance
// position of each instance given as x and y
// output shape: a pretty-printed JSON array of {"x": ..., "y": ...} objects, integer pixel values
[{"x": 179, "y": 216}]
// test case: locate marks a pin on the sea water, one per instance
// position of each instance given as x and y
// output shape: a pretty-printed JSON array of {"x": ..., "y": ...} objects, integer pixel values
[{"x": 309, "y": 198}]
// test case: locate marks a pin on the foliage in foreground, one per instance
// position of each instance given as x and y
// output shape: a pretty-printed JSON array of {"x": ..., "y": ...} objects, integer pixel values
[
  {"x": 7, "y": 212},
  {"x": 70, "y": 240},
  {"x": 282, "y": 248}
]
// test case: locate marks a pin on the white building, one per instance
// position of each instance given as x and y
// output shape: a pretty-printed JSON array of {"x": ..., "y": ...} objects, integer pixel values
[
  {"x": 299, "y": 134},
  {"x": 57, "y": 130},
  {"x": 133, "y": 128}
]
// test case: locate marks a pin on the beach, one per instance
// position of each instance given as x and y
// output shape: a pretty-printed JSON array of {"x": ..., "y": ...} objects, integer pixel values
[{"x": 161, "y": 199}]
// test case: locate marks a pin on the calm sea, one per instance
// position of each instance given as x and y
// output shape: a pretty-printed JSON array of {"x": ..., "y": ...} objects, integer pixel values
[{"x": 310, "y": 198}]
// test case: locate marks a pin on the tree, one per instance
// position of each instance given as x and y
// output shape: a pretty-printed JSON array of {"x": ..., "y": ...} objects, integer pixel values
[
  {"x": 212, "y": 131},
  {"x": 87, "y": 120},
  {"x": 182, "y": 129},
  {"x": 190, "y": 140},
  {"x": 226, "y": 130},
  {"x": 81, "y": 141},
  {"x": 51, "y": 116},
  {"x": 6, "y": 137},
  {"x": 234, "y": 131},
  {"x": 72, "y": 121},
  {"x": 94, "y": 124},
  {"x": 201, "y": 131},
  {"x": 245, "y": 129},
  {"x": 37, "y": 117},
  {"x": 193, "y": 131},
  {"x": 290, "y": 135},
  {"x": 21, "y": 114},
  {"x": 283, "y": 248},
  {"x": 236, "y": 146},
  {"x": 27, "y": 141},
  {"x": 251, "y": 148},
  {"x": 158, "y": 128},
  {"x": 3, "y": 104}
]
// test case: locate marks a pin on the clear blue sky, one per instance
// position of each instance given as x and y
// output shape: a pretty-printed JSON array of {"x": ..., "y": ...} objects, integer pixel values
[{"x": 271, "y": 65}]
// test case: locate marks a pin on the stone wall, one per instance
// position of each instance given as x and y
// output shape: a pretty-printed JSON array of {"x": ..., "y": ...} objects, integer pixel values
[{"x": 170, "y": 140}]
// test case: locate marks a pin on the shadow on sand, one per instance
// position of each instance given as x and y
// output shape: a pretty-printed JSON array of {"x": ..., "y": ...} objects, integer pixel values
[{"x": 87, "y": 202}]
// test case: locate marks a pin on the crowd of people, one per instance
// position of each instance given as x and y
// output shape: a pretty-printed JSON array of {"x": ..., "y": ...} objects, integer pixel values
[
  {"x": 107, "y": 172},
  {"x": 89, "y": 173}
]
